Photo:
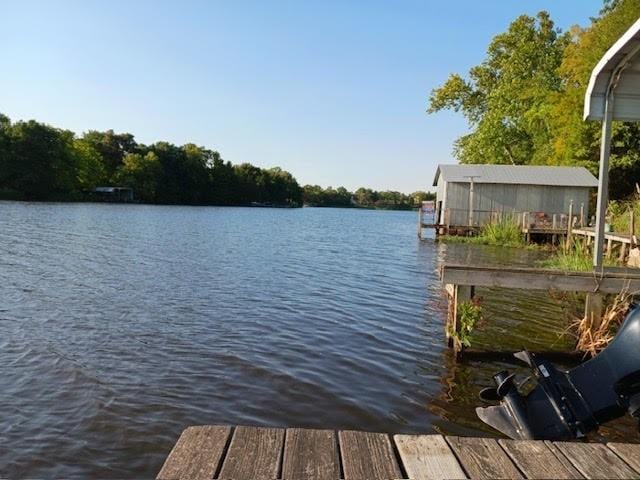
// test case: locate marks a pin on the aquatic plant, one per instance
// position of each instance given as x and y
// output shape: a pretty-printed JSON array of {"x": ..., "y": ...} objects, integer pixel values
[
  {"x": 505, "y": 232},
  {"x": 469, "y": 315}
]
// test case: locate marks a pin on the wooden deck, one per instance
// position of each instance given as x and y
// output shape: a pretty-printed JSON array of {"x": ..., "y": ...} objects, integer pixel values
[{"x": 222, "y": 452}]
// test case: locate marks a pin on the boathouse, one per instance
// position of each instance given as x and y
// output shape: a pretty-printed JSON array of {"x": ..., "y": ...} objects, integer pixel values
[
  {"x": 113, "y": 194},
  {"x": 473, "y": 195}
]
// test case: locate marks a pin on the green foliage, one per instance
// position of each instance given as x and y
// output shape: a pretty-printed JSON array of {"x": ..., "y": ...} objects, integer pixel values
[
  {"x": 504, "y": 97},
  {"x": 506, "y": 232},
  {"x": 619, "y": 215},
  {"x": 524, "y": 102},
  {"x": 469, "y": 316},
  {"x": 575, "y": 257},
  {"x": 41, "y": 162},
  {"x": 314, "y": 195}
]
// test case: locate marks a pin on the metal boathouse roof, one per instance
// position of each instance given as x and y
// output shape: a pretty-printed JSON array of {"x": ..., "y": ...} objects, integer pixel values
[
  {"x": 621, "y": 65},
  {"x": 517, "y": 174}
]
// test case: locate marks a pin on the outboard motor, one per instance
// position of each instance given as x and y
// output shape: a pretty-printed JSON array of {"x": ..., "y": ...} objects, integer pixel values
[{"x": 568, "y": 404}]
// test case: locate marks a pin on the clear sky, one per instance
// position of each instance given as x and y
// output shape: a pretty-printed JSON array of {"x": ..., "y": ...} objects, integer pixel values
[{"x": 334, "y": 91}]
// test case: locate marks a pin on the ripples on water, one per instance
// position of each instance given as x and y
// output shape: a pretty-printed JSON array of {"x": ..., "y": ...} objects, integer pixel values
[{"x": 123, "y": 324}]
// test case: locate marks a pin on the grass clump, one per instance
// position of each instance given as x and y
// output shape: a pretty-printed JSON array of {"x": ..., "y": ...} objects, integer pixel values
[
  {"x": 619, "y": 213},
  {"x": 576, "y": 256},
  {"x": 594, "y": 336},
  {"x": 506, "y": 232}
]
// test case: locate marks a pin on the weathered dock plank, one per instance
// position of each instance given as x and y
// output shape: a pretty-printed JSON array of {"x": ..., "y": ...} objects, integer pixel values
[
  {"x": 367, "y": 455},
  {"x": 629, "y": 452},
  {"x": 483, "y": 458},
  {"x": 254, "y": 452},
  {"x": 595, "y": 460},
  {"x": 536, "y": 460},
  {"x": 427, "y": 457},
  {"x": 196, "y": 455},
  {"x": 248, "y": 453},
  {"x": 539, "y": 279},
  {"x": 310, "y": 455}
]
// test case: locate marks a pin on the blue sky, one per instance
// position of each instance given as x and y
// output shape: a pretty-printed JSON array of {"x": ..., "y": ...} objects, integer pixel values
[{"x": 333, "y": 91}]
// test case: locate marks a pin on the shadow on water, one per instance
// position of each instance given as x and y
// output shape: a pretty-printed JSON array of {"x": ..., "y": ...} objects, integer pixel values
[{"x": 124, "y": 324}]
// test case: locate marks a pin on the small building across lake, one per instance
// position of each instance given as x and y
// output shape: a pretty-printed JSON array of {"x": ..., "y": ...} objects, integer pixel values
[
  {"x": 527, "y": 192},
  {"x": 113, "y": 194}
]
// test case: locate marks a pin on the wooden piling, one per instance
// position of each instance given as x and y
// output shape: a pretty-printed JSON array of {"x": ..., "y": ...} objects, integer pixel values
[{"x": 593, "y": 309}]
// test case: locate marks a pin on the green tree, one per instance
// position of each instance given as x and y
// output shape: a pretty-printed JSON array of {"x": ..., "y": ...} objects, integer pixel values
[
  {"x": 41, "y": 162},
  {"x": 112, "y": 148},
  {"x": 574, "y": 140},
  {"x": 505, "y": 97},
  {"x": 140, "y": 172}
]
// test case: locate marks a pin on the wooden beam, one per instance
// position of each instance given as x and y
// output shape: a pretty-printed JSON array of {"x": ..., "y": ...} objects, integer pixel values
[{"x": 540, "y": 279}]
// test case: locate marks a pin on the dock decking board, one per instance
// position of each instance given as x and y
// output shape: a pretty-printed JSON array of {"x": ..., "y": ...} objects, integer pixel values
[
  {"x": 428, "y": 456},
  {"x": 629, "y": 452},
  {"x": 536, "y": 460},
  {"x": 254, "y": 452},
  {"x": 367, "y": 455},
  {"x": 595, "y": 460},
  {"x": 310, "y": 454},
  {"x": 219, "y": 452},
  {"x": 483, "y": 458},
  {"x": 197, "y": 454}
]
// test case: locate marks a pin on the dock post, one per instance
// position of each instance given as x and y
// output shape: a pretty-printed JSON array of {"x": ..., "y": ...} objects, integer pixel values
[
  {"x": 582, "y": 215},
  {"x": 420, "y": 222},
  {"x": 567, "y": 244},
  {"x": 593, "y": 309}
]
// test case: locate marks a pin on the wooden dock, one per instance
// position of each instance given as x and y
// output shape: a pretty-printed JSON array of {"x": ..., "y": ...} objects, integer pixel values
[
  {"x": 460, "y": 282},
  {"x": 243, "y": 453}
]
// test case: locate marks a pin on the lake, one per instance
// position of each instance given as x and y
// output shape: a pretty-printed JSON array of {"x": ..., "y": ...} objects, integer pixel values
[{"x": 123, "y": 324}]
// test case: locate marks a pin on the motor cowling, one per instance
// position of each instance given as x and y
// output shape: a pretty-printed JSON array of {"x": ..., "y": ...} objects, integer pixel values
[{"x": 567, "y": 404}]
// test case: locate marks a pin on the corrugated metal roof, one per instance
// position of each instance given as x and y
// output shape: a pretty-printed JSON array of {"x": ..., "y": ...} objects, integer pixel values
[
  {"x": 620, "y": 67},
  {"x": 517, "y": 174}
]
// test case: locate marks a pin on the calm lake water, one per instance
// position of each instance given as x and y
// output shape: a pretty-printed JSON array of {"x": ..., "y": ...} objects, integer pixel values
[{"x": 123, "y": 324}]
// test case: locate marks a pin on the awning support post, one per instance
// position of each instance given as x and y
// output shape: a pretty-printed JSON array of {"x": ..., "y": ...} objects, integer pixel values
[{"x": 603, "y": 178}]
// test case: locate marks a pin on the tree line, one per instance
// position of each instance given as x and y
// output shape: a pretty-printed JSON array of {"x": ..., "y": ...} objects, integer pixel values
[
  {"x": 524, "y": 102},
  {"x": 41, "y": 162},
  {"x": 316, "y": 196}
]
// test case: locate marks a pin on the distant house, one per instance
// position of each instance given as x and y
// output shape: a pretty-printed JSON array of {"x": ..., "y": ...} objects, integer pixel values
[
  {"x": 508, "y": 189},
  {"x": 113, "y": 194}
]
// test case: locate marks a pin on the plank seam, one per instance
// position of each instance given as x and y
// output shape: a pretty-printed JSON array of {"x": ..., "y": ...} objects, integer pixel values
[
  {"x": 281, "y": 458},
  {"x": 455, "y": 454},
  {"x": 339, "y": 446},
  {"x": 225, "y": 450},
  {"x": 575, "y": 464},
  {"x": 396, "y": 452},
  {"x": 623, "y": 460},
  {"x": 512, "y": 459}
]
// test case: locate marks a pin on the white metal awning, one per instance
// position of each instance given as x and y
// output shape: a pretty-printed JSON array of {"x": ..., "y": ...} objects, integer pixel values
[{"x": 618, "y": 69}]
